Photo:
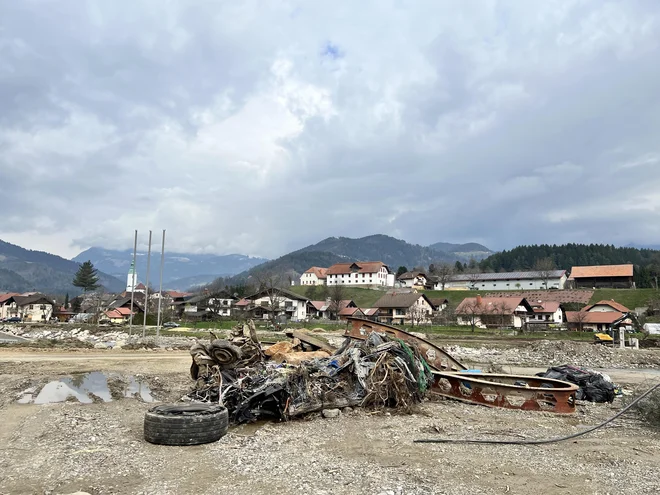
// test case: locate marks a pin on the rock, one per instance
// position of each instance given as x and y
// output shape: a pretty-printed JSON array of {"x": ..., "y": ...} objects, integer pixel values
[
  {"x": 279, "y": 348},
  {"x": 100, "y": 345},
  {"x": 347, "y": 410},
  {"x": 330, "y": 413}
]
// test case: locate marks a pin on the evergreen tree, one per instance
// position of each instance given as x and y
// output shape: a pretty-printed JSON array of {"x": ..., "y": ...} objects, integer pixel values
[
  {"x": 458, "y": 267},
  {"x": 401, "y": 271},
  {"x": 66, "y": 301},
  {"x": 86, "y": 277}
]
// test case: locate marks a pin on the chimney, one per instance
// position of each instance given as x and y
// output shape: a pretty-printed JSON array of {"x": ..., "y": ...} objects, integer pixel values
[{"x": 479, "y": 300}]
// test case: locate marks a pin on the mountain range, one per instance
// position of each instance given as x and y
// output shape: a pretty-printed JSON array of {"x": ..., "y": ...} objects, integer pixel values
[
  {"x": 180, "y": 271},
  {"x": 23, "y": 270},
  {"x": 393, "y": 252}
]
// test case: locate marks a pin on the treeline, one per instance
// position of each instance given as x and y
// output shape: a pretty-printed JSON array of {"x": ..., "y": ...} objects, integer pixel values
[{"x": 564, "y": 257}]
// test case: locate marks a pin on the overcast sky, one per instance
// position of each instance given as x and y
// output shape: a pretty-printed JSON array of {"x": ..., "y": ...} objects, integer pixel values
[{"x": 260, "y": 127}]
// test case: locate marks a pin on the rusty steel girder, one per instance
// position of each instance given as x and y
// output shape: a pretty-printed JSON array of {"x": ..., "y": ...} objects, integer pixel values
[
  {"x": 436, "y": 357},
  {"x": 529, "y": 393}
]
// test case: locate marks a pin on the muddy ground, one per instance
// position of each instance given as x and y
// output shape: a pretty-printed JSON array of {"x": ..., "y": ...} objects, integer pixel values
[{"x": 98, "y": 447}]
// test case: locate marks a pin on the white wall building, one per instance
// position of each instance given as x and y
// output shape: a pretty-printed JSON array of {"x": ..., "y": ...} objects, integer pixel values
[
  {"x": 360, "y": 273},
  {"x": 131, "y": 279},
  {"x": 286, "y": 303},
  {"x": 314, "y": 276},
  {"x": 506, "y": 281}
]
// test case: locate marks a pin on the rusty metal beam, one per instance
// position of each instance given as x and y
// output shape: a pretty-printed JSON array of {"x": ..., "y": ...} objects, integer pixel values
[
  {"x": 436, "y": 357},
  {"x": 528, "y": 393}
]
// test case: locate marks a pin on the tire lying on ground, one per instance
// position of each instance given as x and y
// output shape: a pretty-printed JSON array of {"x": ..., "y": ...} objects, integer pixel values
[{"x": 185, "y": 424}]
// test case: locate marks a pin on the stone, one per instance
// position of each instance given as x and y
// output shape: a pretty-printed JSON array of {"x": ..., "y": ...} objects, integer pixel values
[
  {"x": 100, "y": 345},
  {"x": 330, "y": 413}
]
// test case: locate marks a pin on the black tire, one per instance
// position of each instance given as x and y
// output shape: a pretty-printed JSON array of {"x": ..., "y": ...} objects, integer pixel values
[{"x": 185, "y": 424}]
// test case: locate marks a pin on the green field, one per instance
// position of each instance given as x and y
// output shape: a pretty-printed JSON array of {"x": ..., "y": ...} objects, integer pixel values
[
  {"x": 364, "y": 298},
  {"x": 630, "y": 298}
]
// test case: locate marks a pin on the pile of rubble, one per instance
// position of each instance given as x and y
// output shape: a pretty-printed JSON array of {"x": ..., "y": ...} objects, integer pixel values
[
  {"x": 293, "y": 378},
  {"x": 546, "y": 353},
  {"x": 110, "y": 340}
]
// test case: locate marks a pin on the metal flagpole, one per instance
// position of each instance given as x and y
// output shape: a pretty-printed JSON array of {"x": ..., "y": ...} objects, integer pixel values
[
  {"x": 160, "y": 289},
  {"x": 146, "y": 292},
  {"x": 130, "y": 325}
]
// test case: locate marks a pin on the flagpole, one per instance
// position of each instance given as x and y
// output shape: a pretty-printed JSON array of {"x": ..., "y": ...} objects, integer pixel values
[
  {"x": 130, "y": 325},
  {"x": 146, "y": 292},
  {"x": 160, "y": 289}
]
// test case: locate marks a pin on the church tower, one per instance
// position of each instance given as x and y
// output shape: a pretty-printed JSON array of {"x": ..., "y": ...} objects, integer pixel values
[{"x": 131, "y": 280}]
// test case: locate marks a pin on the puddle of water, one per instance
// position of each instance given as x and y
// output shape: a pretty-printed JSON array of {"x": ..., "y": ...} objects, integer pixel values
[
  {"x": 86, "y": 388},
  {"x": 249, "y": 429}
]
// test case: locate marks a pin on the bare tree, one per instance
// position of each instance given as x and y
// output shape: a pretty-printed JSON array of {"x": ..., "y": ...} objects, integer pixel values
[
  {"x": 503, "y": 311},
  {"x": 218, "y": 302},
  {"x": 337, "y": 294},
  {"x": 545, "y": 267},
  {"x": 579, "y": 318},
  {"x": 444, "y": 272},
  {"x": 471, "y": 311},
  {"x": 418, "y": 314},
  {"x": 473, "y": 275},
  {"x": 270, "y": 284}
]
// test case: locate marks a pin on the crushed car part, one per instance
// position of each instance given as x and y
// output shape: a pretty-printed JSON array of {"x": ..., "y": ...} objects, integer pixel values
[
  {"x": 185, "y": 424},
  {"x": 529, "y": 393},
  {"x": 436, "y": 357}
]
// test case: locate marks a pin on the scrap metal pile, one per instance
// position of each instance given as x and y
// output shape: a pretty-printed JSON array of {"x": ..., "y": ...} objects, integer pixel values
[{"x": 254, "y": 384}]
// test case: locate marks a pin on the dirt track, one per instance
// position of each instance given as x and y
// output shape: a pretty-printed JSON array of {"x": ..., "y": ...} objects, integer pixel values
[{"x": 98, "y": 448}]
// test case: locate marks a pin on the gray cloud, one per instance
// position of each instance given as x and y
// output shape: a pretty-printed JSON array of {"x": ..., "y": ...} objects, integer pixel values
[{"x": 244, "y": 128}]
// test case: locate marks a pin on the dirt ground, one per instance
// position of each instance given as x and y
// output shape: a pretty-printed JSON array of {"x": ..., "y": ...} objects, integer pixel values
[{"x": 98, "y": 448}]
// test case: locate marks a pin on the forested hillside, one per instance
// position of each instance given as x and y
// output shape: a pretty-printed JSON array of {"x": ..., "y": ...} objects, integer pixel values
[{"x": 646, "y": 261}]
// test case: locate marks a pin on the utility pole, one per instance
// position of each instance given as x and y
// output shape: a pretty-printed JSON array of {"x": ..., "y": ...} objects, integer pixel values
[
  {"x": 130, "y": 325},
  {"x": 160, "y": 289},
  {"x": 146, "y": 292}
]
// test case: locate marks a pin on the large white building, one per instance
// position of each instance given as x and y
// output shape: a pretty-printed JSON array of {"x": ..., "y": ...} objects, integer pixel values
[
  {"x": 360, "y": 273},
  {"x": 533, "y": 280},
  {"x": 314, "y": 276}
]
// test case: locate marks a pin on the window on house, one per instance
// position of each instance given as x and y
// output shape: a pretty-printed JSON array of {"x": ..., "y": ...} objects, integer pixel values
[{"x": 31, "y": 306}]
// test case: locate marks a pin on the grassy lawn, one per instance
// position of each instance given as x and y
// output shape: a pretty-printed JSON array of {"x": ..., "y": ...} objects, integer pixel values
[
  {"x": 364, "y": 298},
  {"x": 630, "y": 298}
]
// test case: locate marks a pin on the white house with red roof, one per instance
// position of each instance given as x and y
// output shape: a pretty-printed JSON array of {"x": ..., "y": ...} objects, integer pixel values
[
  {"x": 314, "y": 276},
  {"x": 360, "y": 273}
]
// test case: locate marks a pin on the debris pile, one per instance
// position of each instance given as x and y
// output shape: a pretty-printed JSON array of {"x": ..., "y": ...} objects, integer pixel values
[
  {"x": 100, "y": 340},
  {"x": 594, "y": 386},
  {"x": 557, "y": 352},
  {"x": 254, "y": 384}
]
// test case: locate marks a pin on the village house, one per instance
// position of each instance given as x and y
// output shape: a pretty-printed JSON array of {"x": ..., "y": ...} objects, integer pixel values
[
  {"x": 361, "y": 273},
  {"x": 6, "y": 302},
  {"x": 600, "y": 317},
  {"x": 494, "y": 312},
  {"x": 276, "y": 302},
  {"x": 554, "y": 279},
  {"x": 325, "y": 310},
  {"x": 404, "y": 308},
  {"x": 602, "y": 277},
  {"x": 597, "y": 321},
  {"x": 314, "y": 276},
  {"x": 546, "y": 313},
  {"x": 30, "y": 308},
  {"x": 413, "y": 280},
  {"x": 119, "y": 315}
]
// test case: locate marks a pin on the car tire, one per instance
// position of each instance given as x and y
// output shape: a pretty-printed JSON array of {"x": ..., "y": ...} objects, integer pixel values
[{"x": 185, "y": 424}]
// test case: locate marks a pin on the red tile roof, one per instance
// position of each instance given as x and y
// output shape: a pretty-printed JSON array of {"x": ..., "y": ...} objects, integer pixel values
[
  {"x": 603, "y": 317},
  {"x": 490, "y": 305},
  {"x": 361, "y": 267},
  {"x": 601, "y": 271},
  {"x": 319, "y": 305},
  {"x": 612, "y": 304},
  {"x": 243, "y": 302},
  {"x": 348, "y": 311},
  {"x": 8, "y": 295},
  {"x": 370, "y": 311},
  {"x": 318, "y": 271},
  {"x": 140, "y": 286},
  {"x": 124, "y": 311},
  {"x": 545, "y": 306}
]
